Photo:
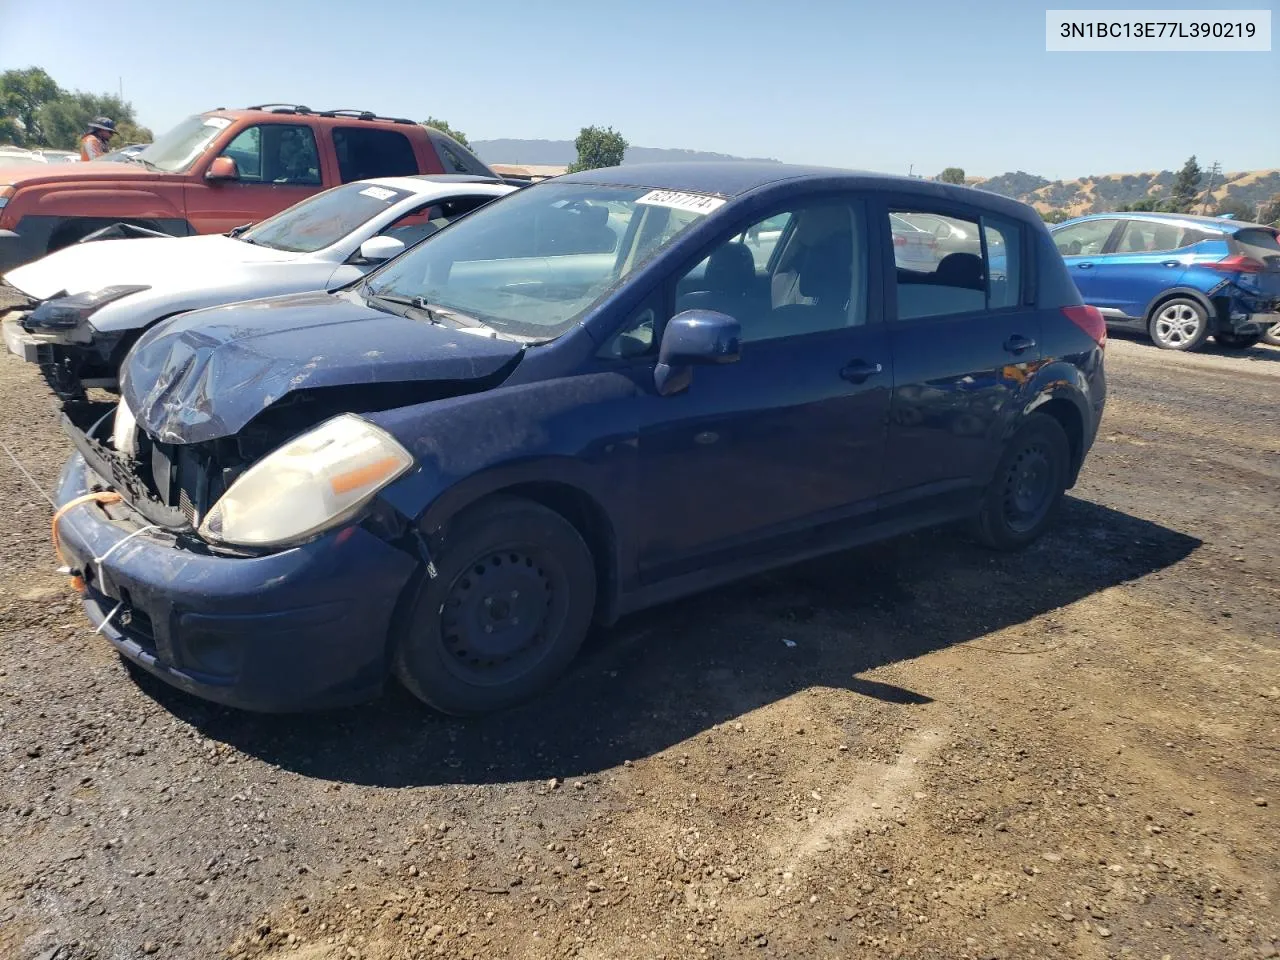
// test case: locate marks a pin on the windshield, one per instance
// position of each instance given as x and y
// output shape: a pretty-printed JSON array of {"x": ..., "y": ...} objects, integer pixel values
[
  {"x": 324, "y": 219},
  {"x": 534, "y": 262},
  {"x": 179, "y": 148}
]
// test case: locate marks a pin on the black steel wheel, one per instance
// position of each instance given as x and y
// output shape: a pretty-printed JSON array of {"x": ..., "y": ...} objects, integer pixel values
[
  {"x": 1027, "y": 485},
  {"x": 510, "y": 606}
]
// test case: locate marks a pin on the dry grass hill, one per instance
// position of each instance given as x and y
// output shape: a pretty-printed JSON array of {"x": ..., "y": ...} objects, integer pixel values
[{"x": 1096, "y": 194}]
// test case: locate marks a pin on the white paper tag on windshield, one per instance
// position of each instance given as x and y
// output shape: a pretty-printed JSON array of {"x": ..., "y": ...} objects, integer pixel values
[
  {"x": 378, "y": 193},
  {"x": 692, "y": 202},
  {"x": 220, "y": 123}
]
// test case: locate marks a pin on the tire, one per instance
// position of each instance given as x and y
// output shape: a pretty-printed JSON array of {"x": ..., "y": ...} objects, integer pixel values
[
  {"x": 1017, "y": 507},
  {"x": 463, "y": 650},
  {"x": 1272, "y": 335},
  {"x": 1236, "y": 341},
  {"x": 1179, "y": 324}
]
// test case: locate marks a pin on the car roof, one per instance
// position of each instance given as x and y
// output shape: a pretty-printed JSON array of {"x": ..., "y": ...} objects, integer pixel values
[
  {"x": 733, "y": 178},
  {"x": 434, "y": 184},
  {"x": 1175, "y": 219},
  {"x": 288, "y": 113}
]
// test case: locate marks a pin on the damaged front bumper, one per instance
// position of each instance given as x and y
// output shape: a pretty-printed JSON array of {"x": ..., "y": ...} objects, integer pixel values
[
  {"x": 298, "y": 629},
  {"x": 71, "y": 359}
]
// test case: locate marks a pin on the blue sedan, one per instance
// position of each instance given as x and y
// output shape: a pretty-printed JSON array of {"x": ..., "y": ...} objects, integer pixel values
[{"x": 594, "y": 395}]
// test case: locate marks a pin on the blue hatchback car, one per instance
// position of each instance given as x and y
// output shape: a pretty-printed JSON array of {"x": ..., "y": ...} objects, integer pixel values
[
  {"x": 594, "y": 395},
  {"x": 1180, "y": 278}
]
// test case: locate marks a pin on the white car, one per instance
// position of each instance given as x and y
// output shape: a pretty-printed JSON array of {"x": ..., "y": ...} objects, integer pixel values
[{"x": 88, "y": 303}]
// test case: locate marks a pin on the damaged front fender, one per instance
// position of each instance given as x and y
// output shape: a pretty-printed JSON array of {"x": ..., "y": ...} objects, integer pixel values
[{"x": 576, "y": 433}]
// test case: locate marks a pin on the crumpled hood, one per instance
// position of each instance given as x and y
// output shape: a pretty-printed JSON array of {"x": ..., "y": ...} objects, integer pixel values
[
  {"x": 206, "y": 374},
  {"x": 149, "y": 262}
]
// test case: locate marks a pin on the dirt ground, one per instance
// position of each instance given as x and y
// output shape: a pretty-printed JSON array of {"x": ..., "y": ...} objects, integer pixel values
[{"x": 921, "y": 750}]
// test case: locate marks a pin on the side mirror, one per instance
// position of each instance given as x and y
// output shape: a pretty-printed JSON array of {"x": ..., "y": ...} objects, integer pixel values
[
  {"x": 378, "y": 249},
  {"x": 222, "y": 168},
  {"x": 692, "y": 338}
]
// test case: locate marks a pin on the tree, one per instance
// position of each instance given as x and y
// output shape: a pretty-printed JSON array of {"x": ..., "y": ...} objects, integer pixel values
[
  {"x": 1186, "y": 187},
  {"x": 1236, "y": 207},
  {"x": 1269, "y": 211},
  {"x": 1146, "y": 204},
  {"x": 1056, "y": 215},
  {"x": 952, "y": 175},
  {"x": 65, "y": 119},
  {"x": 22, "y": 94},
  {"x": 444, "y": 127},
  {"x": 598, "y": 147}
]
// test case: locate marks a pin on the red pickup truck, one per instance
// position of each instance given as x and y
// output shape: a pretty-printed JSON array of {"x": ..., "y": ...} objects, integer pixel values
[{"x": 215, "y": 171}]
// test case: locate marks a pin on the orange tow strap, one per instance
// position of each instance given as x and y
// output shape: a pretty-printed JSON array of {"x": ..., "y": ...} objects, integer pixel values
[{"x": 102, "y": 496}]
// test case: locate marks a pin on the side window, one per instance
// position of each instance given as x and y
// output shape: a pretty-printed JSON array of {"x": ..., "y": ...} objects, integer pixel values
[
  {"x": 246, "y": 151},
  {"x": 1004, "y": 262},
  {"x": 1083, "y": 239},
  {"x": 421, "y": 223},
  {"x": 937, "y": 277},
  {"x": 282, "y": 153},
  {"x": 1192, "y": 236},
  {"x": 1147, "y": 236},
  {"x": 813, "y": 279},
  {"x": 366, "y": 153}
]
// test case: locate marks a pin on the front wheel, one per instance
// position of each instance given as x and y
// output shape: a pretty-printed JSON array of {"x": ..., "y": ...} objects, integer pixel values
[
  {"x": 510, "y": 606},
  {"x": 1027, "y": 486},
  {"x": 1179, "y": 324},
  {"x": 1272, "y": 335},
  {"x": 1236, "y": 341}
]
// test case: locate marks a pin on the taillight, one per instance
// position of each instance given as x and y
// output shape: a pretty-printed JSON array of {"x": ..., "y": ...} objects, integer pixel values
[
  {"x": 899, "y": 240},
  {"x": 1089, "y": 319},
  {"x": 1238, "y": 263}
]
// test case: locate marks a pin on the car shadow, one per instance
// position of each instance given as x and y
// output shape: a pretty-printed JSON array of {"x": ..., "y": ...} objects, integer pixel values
[{"x": 663, "y": 676}]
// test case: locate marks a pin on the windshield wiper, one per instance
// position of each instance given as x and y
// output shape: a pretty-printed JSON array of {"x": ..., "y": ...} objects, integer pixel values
[
  {"x": 134, "y": 158},
  {"x": 418, "y": 304}
]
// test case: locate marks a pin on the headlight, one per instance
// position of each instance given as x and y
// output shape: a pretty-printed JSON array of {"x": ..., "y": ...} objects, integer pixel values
[
  {"x": 66, "y": 312},
  {"x": 310, "y": 484},
  {"x": 124, "y": 431}
]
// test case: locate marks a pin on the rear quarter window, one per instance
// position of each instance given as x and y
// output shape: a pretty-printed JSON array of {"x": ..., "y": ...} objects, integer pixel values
[{"x": 368, "y": 153}]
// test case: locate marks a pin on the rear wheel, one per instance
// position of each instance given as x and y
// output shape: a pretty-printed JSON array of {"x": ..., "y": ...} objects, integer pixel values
[
  {"x": 1179, "y": 324},
  {"x": 509, "y": 608},
  {"x": 1236, "y": 341},
  {"x": 1027, "y": 486}
]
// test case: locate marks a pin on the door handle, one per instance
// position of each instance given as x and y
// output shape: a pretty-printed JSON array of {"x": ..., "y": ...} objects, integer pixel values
[
  {"x": 857, "y": 371},
  {"x": 1172, "y": 263},
  {"x": 1084, "y": 266},
  {"x": 1019, "y": 344}
]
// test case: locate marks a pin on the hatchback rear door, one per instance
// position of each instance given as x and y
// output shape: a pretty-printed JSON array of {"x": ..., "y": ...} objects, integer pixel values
[
  {"x": 1148, "y": 258},
  {"x": 964, "y": 343}
]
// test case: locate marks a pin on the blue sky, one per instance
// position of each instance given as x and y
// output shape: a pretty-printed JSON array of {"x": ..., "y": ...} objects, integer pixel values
[{"x": 877, "y": 86}]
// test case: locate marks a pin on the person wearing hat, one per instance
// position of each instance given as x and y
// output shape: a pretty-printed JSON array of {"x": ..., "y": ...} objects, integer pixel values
[{"x": 94, "y": 141}]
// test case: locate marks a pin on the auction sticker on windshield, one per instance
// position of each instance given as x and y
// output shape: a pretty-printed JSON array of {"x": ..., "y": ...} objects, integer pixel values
[
  {"x": 692, "y": 202},
  {"x": 378, "y": 193}
]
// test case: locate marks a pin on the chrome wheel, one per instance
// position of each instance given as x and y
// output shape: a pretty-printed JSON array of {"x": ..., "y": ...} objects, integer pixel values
[
  {"x": 1272, "y": 335},
  {"x": 1178, "y": 326}
]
